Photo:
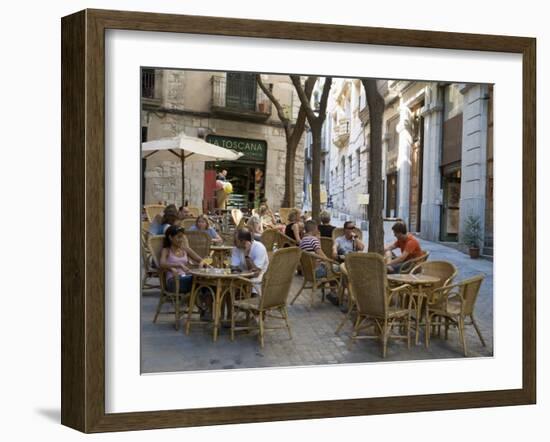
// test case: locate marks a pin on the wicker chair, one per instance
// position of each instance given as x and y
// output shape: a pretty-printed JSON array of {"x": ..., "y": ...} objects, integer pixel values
[
  {"x": 269, "y": 238},
  {"x": 194, "y": 211},
  {"x": 276, "y": 284},
  {"x": 344, "y": 286},
  {"x": 237, "y": 216},
  {"x": 153, "y": 210},
  {"x": 326, "y": 245},
  {"x": 308, "y": 262},
  {"x": 339, "y": 231},
  {"x": 187, "y": 223},
  {"x": 445, "y": 271},
  {"x": 374, "y": 299},
  {"x": 149, "y": 270},
  {"x": 412, "y": 263},
  {"x": 242, "y": 223},
  {"x": 284, "y": 240},
  {"x": 453, "y": 304},
  {"x": 199, "y": 242},
  {"x": 177, "y": 299},
  {"x": 283, "y": 214}
]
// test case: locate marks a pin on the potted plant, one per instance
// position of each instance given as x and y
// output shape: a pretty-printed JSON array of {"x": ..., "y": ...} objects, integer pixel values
[{"x": 472, "y": 235}]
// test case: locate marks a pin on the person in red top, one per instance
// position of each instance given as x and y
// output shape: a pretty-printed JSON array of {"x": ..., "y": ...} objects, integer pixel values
[{"x": 409, "y": 245}]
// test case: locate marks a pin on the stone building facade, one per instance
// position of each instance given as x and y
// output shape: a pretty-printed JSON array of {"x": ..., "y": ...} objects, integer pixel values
[
  {"x": 227, "y": 109},
  {"x": 437, "y": 155}
]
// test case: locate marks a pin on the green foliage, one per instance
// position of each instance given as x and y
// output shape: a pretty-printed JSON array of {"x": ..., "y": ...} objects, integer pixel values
[{"x": 472, "y": 231}]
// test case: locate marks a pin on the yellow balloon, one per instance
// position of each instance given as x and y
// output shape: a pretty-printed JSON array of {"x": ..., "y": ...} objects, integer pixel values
[{"x": 228, "y": 188}]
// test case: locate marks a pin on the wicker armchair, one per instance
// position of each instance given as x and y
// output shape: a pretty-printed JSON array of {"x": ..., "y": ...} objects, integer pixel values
[
  {"x": 374, "y": 299},
  {"x": 194, "y": 211},
  {"x": 177, "y": 299},
  {"x": 412, "y": 263},
  {"x": 339, "y": 231},
  {"x": 308, "y": 262},
  {"x": 283, "y": 214},
  {"x": 445, "y": 272},
  {"x": 149, "y": 270},
  {"x": 453, "y": 304},
  {"x": 236, "y": 216},
  {"x": 285, "y": 240},
  {"x": 276, "y": 284},
  {"x": 326, "y": 245},
  {"x": 187, "y": 223},
  {"x": 199, "y": 242},
  {"x": 153, "y": 210},
  {"x": 269, "y": 238},
  {"x": 344, "y": 286}
]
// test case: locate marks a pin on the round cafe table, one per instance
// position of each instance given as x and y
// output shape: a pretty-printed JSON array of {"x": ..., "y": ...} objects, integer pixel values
[
  {"x": 420, "y": 290},
  {"x": 217, "y": 280},
  {"x": 219, "y": 254}
]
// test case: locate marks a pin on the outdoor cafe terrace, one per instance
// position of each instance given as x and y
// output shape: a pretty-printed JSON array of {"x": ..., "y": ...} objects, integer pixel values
[{"x": 315, "y": 340}]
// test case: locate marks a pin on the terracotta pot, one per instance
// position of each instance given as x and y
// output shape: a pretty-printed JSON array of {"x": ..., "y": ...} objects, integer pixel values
[{"x": 474, "y": 252}]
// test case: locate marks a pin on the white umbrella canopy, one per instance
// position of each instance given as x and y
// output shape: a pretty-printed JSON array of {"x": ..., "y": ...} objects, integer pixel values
[
  {"x": 188, "y": 148},
  {"x": 193, "y": 149}
]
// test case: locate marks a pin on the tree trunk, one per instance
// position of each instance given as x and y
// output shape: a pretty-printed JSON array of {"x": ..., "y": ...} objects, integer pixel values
[
  {"x": 289, "y": 199},
  {"x": 316, "y": 125},
  {"x": 375, "y": 102},
  {"x": 316, "y": 171}
]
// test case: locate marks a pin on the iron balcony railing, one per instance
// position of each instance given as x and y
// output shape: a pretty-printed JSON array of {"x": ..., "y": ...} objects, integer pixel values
[
  {"x": 239, "y": 97},
  {"x": 341, "y": 133}
]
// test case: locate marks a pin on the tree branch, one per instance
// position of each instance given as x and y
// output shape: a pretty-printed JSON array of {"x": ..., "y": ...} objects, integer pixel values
[
  {"x": 280, "y": 111},
  {"x": 324, "y": 99},
  {"x": 303, "y": 98},
  {"x": 301, "y": 119}
]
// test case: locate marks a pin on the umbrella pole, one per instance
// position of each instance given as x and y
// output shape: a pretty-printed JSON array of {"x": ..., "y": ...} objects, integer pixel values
[{"x": 182, "y": 179}]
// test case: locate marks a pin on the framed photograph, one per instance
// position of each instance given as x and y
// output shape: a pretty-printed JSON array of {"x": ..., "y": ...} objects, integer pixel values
[{"x": 203, "y": 161}]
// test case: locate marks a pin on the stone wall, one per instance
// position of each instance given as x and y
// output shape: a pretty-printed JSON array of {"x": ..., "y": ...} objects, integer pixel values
[{"x": 163, "y": 172}]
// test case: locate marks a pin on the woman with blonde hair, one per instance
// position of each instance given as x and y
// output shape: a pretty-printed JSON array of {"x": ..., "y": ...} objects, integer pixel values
[
  {"x": 292, "y": 229},
  {"x": 202, "y": 225},
  {"x": 254, "y": 224}
]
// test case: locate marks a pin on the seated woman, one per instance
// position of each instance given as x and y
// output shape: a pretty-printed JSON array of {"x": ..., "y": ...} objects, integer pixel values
[
  {"x": 268, "y": 219},
  {"x": 293, "y": 228},
  {"x": 201, "y": 224},
  {"x": 175, "y": 258},
  {"x": 325, "y": 228},
  {"x": 254, "y": 224}
]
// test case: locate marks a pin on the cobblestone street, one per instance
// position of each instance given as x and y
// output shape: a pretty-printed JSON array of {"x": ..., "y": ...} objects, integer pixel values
[{"x": 314, "y": 340}]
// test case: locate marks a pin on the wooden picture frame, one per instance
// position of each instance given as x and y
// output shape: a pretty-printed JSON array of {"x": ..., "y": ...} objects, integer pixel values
[{"x": 83, "y": 216}]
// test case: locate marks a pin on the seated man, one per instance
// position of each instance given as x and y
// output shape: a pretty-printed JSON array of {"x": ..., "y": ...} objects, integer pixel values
[
  {"x": 249, "y": 255},
  {"x": 409, "y": 245},
  {"x": 311, "y": 243},
  {"x": 347, "y": 243}
]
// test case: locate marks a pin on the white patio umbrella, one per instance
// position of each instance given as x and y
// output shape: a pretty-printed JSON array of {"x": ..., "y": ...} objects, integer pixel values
[{"x": 188, "y": 148}]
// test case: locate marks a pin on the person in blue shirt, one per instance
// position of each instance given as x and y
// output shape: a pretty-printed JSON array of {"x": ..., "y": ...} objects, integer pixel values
[{"x": 202, "y": 225}]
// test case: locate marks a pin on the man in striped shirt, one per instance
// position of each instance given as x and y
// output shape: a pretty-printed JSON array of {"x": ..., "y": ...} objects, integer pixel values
[{"x": 311, "y": 243}]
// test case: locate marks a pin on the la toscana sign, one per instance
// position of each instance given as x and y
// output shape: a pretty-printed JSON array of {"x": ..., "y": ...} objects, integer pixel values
[{"x": 253, "y": 150}]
